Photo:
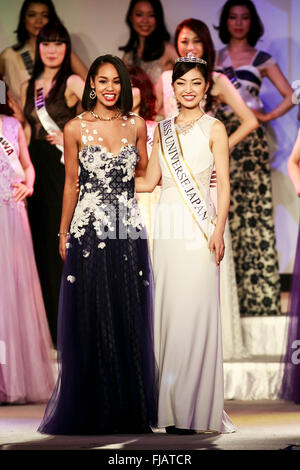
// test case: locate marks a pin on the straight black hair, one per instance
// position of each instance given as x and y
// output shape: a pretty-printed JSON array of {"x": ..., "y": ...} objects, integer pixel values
[
  {"x": 21, "y": 31},
  {"x": 256, "y": 29},
  {"x": 155, "y": 42},
  {"x": 51, "y": 32},
  {"x": 181, "y": 68},
  {"x": 125, "y": 101}
]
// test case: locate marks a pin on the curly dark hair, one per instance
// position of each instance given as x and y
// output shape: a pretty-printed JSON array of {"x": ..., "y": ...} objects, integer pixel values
[
  {"x": 203, "y": 33},
  {"x": 140, "y": 80},
  {"x": 256, "y": 29},
  {"x": 155, "y": 43},
  {"x": 21, "y": 31}
]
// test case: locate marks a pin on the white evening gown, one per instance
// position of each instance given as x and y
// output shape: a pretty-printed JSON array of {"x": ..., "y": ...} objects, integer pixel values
[
  {"x": 233, "y": 344},
  {"x": 187, "y": 321}
]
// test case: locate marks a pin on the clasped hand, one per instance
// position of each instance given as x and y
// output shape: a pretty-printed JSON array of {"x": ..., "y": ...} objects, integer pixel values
[
  {"x": 55, "y": 138},
  {"x": 22, "y": 191}
]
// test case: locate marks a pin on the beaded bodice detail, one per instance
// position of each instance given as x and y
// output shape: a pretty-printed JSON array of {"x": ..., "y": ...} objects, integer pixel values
[{"x": 107, "y": 195}]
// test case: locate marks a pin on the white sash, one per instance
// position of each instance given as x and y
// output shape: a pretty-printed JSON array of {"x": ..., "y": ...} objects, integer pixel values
[
  {"x": 13, "y": 158},
  {"x": 184, "y": 179},
  {"x": 47, "y": 122}
]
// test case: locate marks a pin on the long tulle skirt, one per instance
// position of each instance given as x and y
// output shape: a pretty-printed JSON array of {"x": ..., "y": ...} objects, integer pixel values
[
  {"x": 26, "y": 367},
  {"x": 106, "y": 378}
]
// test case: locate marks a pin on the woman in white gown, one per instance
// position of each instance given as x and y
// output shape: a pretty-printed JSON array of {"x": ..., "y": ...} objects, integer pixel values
[
  {"x": 188, "y": 247},
  {"x": 192, "y": 35}
]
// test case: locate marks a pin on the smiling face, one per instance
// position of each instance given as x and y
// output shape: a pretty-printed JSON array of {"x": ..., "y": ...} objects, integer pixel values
[
  {"x": 107, "y": 85},
  {"x": 52, "y": 53},
  {"x": 143, "y": 19},
  {"x": 190, "y": 88},
  {"x": 239, "y": 22},
  {"x": 36, "y": 16},
  {"x": 188, "y": 41}
]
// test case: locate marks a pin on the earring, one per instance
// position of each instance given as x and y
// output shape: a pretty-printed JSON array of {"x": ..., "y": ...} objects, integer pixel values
[
  {"x": 203, "y": 103},
  {"x": 93, "y": 94}
]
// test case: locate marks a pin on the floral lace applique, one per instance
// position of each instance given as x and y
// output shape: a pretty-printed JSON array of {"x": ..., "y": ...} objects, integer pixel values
[{"x": 106, "y": 195}]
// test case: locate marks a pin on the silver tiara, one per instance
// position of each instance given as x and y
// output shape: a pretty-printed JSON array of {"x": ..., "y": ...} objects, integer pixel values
[{"x": 191, "y": 58}]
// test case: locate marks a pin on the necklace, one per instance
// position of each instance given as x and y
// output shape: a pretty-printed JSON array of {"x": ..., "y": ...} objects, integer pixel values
[
  {"x": 185, "y": 128},
  {"x": 116, "y": 116}
]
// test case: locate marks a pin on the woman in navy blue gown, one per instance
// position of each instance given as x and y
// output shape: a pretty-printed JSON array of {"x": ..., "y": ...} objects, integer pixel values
[{"x": 106, "y": 380}]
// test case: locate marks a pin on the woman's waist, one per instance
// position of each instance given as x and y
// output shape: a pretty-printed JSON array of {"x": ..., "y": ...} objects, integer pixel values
[{"x": 198, "y": 182}]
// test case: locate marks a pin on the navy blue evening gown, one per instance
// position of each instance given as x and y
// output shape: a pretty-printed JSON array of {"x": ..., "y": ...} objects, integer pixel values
[{"x": 106, "y": 381}]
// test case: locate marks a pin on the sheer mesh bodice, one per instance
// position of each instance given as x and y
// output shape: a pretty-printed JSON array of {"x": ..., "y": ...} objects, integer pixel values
[{"x": 10, "y": 129}]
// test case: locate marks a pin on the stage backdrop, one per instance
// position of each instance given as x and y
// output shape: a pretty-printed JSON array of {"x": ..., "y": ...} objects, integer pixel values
[{"x": 98, "y": 27}]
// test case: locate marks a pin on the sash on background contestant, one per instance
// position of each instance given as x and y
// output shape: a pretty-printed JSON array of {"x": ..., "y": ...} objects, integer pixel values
[
  {"x": 27, "y": 60},
  {"x": 47, "y": 122}
]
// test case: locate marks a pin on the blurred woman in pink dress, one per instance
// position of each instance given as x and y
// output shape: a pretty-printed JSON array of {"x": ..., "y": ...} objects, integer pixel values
[{"x": 26, "y": 369}]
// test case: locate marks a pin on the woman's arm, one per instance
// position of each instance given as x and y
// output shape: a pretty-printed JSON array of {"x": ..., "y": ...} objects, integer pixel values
[
  {"x": 159, "y": 93},
  {"x": 228, "y": 94},
  {"x": 26, "y": 126},
  {"x": 75, "y": 86},
  {"x": 78, "y": 66},
  {"x": 148, "y": 182},
  {"x": 71, "y": 132},
  {"x": 25, "y": 189},
  {"x": 276, "y": 76},
  {"x": 220, "y": 149},
  {"x": 293, "y": 165}
]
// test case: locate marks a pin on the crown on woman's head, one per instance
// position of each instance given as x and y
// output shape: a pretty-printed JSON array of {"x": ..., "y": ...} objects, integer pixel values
[{"x": 191, "y": 58}]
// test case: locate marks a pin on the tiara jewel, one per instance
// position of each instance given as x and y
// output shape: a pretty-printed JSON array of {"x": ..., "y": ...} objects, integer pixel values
[{"x": 191, "y": 58}]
